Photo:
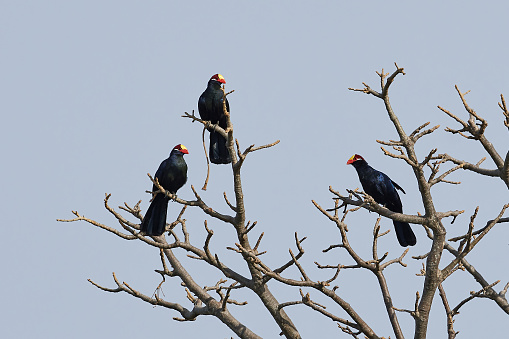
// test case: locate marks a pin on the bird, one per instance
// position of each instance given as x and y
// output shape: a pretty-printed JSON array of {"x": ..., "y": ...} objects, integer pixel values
[
  {"x": 172, "y": 175},
  {"x": 210, "y": 107},
  {"x": 384, "y": 191}
]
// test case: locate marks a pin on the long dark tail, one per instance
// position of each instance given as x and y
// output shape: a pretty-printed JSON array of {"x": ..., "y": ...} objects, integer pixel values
[
  {"x": 218, "y": 151},
  {"x": 154, "y": 222},
  {"x": 406, "y": 236}
]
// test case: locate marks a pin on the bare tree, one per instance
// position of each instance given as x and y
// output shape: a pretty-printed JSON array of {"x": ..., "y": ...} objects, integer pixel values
[{"x": 202, "y": 302}]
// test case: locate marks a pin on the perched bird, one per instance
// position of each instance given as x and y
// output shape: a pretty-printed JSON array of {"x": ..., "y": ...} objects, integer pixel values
[
  {"x": 383, "y": 190},
  {"x": 172, "y": 175},
  {"x": 210, "y": 107}
]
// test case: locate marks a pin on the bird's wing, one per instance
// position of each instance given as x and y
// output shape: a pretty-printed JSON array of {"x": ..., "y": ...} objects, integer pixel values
[
  {"x": 160, "y": 174},
  {"x": 374, "y": 184},
  {"x": 398, "y": 187},
  {"x": 202, "y": 107}
]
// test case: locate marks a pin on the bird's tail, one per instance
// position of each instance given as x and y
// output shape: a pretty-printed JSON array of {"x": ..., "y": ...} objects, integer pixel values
[
  {"x": 218, "y": 151},
  {"x": 406, "y": 236},
  {"x": 154, "y": 222}
]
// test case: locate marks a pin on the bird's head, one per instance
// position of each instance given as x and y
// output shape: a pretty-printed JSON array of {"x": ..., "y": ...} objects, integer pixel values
[
  {"x": 181, "y": 148},
  {"x": 354, "y": 158},
  {"x": 218, "y": 77}
]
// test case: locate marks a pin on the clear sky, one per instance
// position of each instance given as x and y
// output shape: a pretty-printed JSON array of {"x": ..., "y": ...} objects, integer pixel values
[{"x": 91, "y": 94}]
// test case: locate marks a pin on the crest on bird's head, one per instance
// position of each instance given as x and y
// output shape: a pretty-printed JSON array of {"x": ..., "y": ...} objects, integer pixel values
[
  {"x": 181, "y": 148},
  {"x": 354, "y": 158},
  {"x": 218, "y": 77}
]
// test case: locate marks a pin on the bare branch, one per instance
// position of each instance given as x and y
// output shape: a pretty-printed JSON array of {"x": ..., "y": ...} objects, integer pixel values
[
  {"x": 370, "y": 204},
  {"x": 95, "y": 223},
  {"x": 298, "y": 256},
  {"x": 207, "y": 124},
  {"x": 503, "y": 107},
  {"x": 415, "y": 312},
  {"x": 505, "y": 170},
  {"x": 449, "y": 314},
  {"x": 473, "y": 295},
  {"x": 249, "y": 228},
  {"x": 248, "y": 150},
  {"x": 471, "y": 167},
  {"x": 228, "y": 202},
  {"x": 198, "y": 202},
  {"x": 415, "y": 135},
  {"x": 367, "y": 90},
  {"x": 185, "y": 313},
  {"x": 470, "y": 242},
  {"x": 499, "y": 298}
]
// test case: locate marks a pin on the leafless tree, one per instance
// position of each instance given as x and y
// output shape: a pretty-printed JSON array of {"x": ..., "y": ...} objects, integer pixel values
[{"x": 202, "y": 302}]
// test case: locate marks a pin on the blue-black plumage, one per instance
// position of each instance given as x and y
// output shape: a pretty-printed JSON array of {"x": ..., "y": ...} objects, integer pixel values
[
  {"x": 172, "y": 175},
  {"x": 210, "y": 107},
  {"x": 384, "y": 191}
]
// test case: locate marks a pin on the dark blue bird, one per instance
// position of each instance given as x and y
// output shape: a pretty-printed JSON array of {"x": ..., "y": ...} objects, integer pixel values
[
  {"x": 383, "y": 190},
  {"x": 210, "y": 107},
  {"x": 172, "y": 175}
]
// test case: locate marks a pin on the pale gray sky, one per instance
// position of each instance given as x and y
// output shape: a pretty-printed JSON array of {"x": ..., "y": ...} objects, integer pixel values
[{"x": 91, "y": 94}]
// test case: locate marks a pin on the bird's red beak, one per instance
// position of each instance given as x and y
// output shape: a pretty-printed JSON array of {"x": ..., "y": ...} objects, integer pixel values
[
  {"x": 352, "y": 159},
  {"x": 222, "y": 81},
  {"x": 181, "y": 148}
]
